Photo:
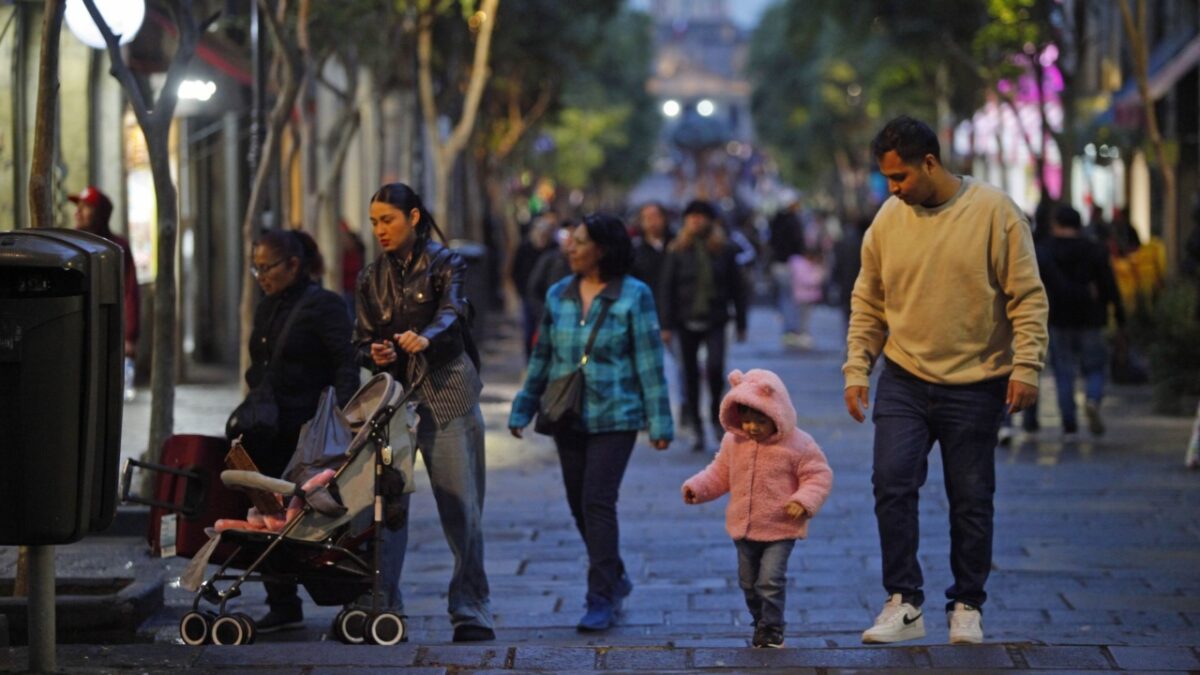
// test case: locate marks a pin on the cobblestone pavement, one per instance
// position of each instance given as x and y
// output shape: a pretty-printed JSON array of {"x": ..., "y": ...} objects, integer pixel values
[{"x": 1096, "y": 552}]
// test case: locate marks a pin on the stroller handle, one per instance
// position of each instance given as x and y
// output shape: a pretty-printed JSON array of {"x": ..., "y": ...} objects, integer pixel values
[{"x": 252, "y": 480}]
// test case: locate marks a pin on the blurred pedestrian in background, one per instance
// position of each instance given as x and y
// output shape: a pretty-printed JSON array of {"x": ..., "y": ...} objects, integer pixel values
[
  {"x": 700, "y": 281},
  {"x": 786, "y": 240},
  {"x": 93, "y": 211},
  {"x": 537, "y": 242},
  {"x": 1080, "y": 287},
  {"x": 650, "y": 248}
]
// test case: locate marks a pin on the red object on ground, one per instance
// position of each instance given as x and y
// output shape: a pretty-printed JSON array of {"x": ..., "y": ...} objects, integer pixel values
[{"x": 205, "y": 496}]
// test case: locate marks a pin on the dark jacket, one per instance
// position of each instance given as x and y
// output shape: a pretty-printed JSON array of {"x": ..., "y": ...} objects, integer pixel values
[
  {"x": 525, "y": 260},
  {"x": 1079, "y": 283},
  {"x": 427, "y": 298},
  {"x": 317, "y": 354},
  {"x": 677, "y": 287},
  {"x": 549, "y": 270},
  {"x": 786, "y": 236},
  {"x": 648, "y": 264}
]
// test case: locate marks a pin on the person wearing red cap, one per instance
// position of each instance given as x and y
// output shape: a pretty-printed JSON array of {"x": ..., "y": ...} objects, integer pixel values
[{"x": 92, "y": 213}]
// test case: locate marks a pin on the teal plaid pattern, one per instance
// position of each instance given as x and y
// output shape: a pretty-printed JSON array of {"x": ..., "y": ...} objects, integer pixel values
[{"x": 626, "y": 389}]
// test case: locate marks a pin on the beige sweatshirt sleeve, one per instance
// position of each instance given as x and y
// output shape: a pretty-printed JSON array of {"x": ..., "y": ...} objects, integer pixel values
[
  {"x": 868, "y": 322},
  {"x": 1027, "y": 305}
]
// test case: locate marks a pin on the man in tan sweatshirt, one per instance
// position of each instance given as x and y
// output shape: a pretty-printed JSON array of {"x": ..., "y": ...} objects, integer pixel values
[{"x": 950, "y": 295}]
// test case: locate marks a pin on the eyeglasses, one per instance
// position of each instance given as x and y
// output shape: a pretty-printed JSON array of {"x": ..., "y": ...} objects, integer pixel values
[{"x": 256, "y": 271}]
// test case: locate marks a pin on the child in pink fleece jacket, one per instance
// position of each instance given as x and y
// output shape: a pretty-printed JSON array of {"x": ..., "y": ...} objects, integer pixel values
[{"x": 777, "y": 478}]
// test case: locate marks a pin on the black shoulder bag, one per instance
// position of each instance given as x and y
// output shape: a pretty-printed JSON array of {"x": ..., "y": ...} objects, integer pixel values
[
  {"x": 256, "y": 419},
  {"x": 561, "y": 406}
]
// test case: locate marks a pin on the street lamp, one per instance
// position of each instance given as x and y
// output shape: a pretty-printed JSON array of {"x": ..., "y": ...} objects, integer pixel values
[
  {"x": 124, "y": 19},
  {"x": 671, "y": 108},
  {"x": 706, "y": 108}
]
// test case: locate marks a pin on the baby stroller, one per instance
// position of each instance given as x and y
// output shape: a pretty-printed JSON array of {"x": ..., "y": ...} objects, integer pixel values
[{"x": 332, "y": 545}]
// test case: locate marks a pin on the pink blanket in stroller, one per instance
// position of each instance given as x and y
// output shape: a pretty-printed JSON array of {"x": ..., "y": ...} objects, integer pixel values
[{"x": 264, "y": 523}]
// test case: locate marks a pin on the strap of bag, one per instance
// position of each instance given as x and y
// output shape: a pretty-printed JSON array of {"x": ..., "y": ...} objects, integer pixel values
[
  {"x": 595, "y": 329},
  {"x": 287, "y": 328}
]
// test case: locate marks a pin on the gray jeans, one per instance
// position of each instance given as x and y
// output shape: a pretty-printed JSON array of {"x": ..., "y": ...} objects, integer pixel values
[
  {"x": 762, "y": 575},
  {"x": 454, "y": 458}
]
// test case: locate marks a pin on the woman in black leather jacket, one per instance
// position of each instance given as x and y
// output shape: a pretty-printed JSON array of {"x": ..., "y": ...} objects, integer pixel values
[
  {"x": 316, "y": 354},
  {"x": 412, "y": 321}
]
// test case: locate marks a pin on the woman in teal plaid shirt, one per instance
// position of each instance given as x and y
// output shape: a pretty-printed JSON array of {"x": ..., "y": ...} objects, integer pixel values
[{"x": 625, "y": 392}]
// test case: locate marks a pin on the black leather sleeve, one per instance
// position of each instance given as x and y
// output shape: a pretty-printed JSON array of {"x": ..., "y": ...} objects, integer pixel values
[{"x": 449, "y": 275}]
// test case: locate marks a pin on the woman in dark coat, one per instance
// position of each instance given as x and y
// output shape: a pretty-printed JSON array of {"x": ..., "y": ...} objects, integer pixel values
[{"x": 316, "y": 354}]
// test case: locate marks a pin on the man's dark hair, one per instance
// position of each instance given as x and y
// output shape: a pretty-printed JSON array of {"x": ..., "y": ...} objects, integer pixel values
[
  {"x": 910, "y": 138},
  {"x": 700, "y": 207},
  {"x": 1068, "y": 217},
  {"x": 609, "y": 233}
]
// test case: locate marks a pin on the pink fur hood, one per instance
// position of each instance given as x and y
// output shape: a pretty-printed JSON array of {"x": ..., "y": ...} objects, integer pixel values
[{"x": 762, "y": 477}]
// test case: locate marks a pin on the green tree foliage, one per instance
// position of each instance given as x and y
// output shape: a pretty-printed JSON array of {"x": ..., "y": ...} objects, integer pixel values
[
  {"x": 827, "y": 73},
  {"x": 605, "y": 133}
]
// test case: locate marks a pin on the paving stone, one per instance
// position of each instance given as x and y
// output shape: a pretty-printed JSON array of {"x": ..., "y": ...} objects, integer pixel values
[
  {"x": 816, "y": 658},
  {"x": 1151, "y": 658},
  {"x": 970, "y": 656},
  {"x": 308, "y": 654},
  {"x": 1065, "y": 657},
  {"x": 556, "y": 659},
  {"x": 645, "y": 659},
  {"x": 463, "y": 656}
]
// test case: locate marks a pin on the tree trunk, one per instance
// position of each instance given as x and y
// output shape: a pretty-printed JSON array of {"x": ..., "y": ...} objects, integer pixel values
[
  {"x": 162, "y": 369},
  {"x": 290, "y": 64},
  {"x": 1136, "y": 32},
  {"x": 45, "y": 134},
  {"x": 446, "y": 152}
]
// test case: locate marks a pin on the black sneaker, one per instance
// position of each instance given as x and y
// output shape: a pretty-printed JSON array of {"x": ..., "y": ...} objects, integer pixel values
[
  {"x": 469, "y": 633},
  {"x": 278, "y": 620},
  {"x": 768, "y": 637}
]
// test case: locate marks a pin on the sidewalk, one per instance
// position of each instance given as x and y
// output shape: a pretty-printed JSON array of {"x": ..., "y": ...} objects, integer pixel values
[{"x": 1096, "y": 552}]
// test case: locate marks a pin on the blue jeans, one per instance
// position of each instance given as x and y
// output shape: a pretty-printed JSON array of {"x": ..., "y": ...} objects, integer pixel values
[
  {"x": 762, "y": 575},
  {"x": 910, "y": 415},
  {"x": 1083, "y": 347},
  {"x": 593, "y": 466},
  {"x": 454, "y": 457}
]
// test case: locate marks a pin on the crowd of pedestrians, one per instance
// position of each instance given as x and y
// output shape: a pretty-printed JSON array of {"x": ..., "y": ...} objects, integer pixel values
[{"x": 608, "y": 301}]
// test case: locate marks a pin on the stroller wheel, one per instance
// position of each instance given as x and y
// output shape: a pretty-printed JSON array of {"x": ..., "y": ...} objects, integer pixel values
[
  {"x": 228, "y": 629},
  {"x": 249, "y": 625},
  {"x": 350, "y": 626},
  {"x": 194, "y": 628},
  {"x": 387, "y": 629}
]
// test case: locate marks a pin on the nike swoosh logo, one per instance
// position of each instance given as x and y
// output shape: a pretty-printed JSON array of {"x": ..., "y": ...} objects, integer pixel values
[{"x": 909, "y": 620}]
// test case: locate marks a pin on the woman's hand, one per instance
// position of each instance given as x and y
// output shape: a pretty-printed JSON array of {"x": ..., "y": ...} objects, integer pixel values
[
  {"x": 660, "y": 444},
  {"x": 517, "y": 432},
  {"x": 383, "y": 353},
  {"x": 411, "y": 342}
]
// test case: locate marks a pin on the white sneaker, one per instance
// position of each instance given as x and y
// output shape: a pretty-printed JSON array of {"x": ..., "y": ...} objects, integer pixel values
[
  {"x": 899, "y": 621},
  {"x": 966, "y": 625},
  {"x": 1005, "y": 435}
]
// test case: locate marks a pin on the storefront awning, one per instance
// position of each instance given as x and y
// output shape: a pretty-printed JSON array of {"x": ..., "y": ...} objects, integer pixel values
[
  {"x": 1164, "y": 77},
  {"x": 1170, "y": 60}
]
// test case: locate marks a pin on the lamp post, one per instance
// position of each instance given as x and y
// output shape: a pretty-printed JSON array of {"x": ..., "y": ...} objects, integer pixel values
[{"x": 124, "y": 19}]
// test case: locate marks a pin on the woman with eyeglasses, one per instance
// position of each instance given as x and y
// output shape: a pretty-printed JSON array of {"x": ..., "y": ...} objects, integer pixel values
[
  {"x": 412, "y": 321},
  {"x": 315, "y": 353}
]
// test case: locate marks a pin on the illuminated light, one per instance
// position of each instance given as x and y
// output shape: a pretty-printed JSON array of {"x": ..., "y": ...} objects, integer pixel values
[
  {"x": 671, "y": 108},
  {"x": 705, "y": 108},
  {"x": 124, "y": 19},
  {"x": 197, "y": 90}
]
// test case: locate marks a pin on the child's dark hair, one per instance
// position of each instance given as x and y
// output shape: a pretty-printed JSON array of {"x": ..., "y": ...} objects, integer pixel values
[{"x": 742, "y": 409}]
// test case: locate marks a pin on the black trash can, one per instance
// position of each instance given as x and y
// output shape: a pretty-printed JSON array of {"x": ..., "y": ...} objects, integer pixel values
[{"x": 61, "y": 348}]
